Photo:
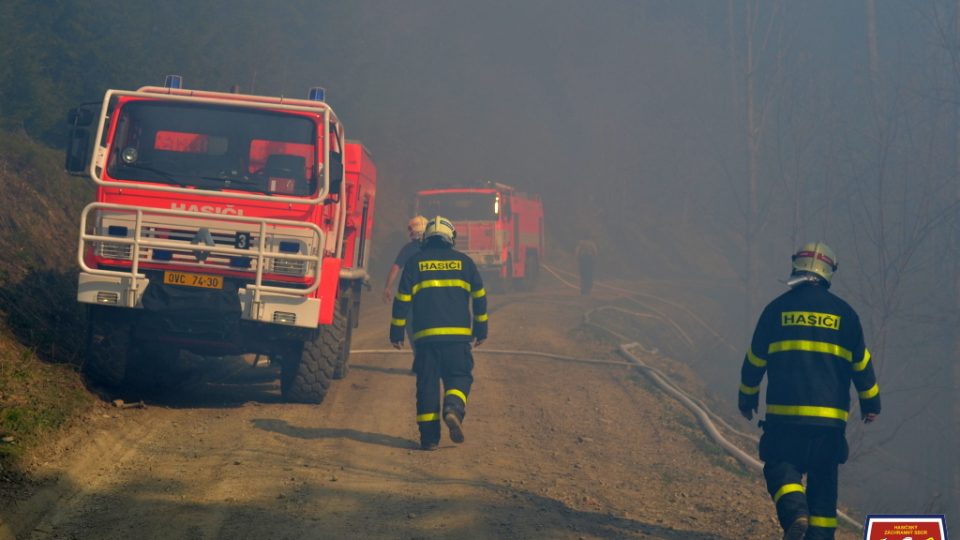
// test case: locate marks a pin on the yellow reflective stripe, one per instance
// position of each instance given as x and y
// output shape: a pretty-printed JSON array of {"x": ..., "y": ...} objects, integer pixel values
[
  {"x": 428, "y": 417},
  {"x": 755, "y": 360},
  {"x": 452, "y": 331},
  {"x": 786, "y": 488},
  {"x": 823, "y": 521},
  {"x": 479, "y": 294},
  {"x": 862, "y": 365},
  {"x": 812, "y": 346},
  {"x": 459, "y": 394},
  {"x": 482, "y": 318},
  {"x": 749, "y": 390},
  {"x": 398, "y": 322},
  {"x": 441, "y": 283},
  {"x": 869, "y": 392},
  {"x": 404, "y": 297},
  {"x": 808, "y": 410}
]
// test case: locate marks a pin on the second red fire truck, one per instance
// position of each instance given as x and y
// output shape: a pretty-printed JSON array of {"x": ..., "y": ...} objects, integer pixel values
[
  {"x": 500, "y": 228},
  {"x": 224, "y": 224}
]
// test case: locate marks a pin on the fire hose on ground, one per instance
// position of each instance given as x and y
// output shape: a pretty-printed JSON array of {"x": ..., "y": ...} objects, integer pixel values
[{"x": 705, "y": 417}]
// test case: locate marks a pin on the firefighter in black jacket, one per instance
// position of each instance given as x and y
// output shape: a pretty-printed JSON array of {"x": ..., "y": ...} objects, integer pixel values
[
  {"x": 810, "y": 344},
  {"x": 438, "y": 283}
]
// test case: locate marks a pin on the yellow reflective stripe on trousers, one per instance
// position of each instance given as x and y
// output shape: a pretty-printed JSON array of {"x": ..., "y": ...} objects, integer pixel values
[
  {"x": 398, "y": 322},
  {"x": 808, "y": 410},
  {"x": 869, "y": 392},
  {"x": 862, "y": 365},
  {"x": 452, "y": 331},
  {"x": 810, "y": 346},
  {"x": 786, "y": 488},
  {"x": 755, "y": 360},
  {"x": 459, "y": 394},
  {"x": 823, "y": 522},
  {"x": 428, "y": 417},
  {"x": 404, "y": 297},
  {"x": 482, "y": 318},
  {"x": 749, "y": 390},
  {"x": 479, "y": 294},
  {"x": 428, "y": 283}
]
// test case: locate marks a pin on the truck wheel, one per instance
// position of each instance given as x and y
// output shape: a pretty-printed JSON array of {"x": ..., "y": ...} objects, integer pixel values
[
  {"x": 343, "y": 325},
  {"x": 306, "y": 369},
  {"x": 153, "y": 366},
  {"x": 108, "y": 345},
  {"x": 532, "y": 271}
]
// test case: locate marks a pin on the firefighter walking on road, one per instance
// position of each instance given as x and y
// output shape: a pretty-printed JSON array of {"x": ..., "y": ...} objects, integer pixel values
[
  {"x": 810, "y": 345},
  {"x": 415, "y": 228},
  {"x": 438, "y": 286},
  {"x": 586, "y": 253}
]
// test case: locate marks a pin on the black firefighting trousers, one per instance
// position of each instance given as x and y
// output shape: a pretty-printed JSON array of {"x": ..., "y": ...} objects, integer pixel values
[
  {"x": 452, "y": 363},
  {"x": 586, "y": 274},
  {"x": 789, "y": 452}
]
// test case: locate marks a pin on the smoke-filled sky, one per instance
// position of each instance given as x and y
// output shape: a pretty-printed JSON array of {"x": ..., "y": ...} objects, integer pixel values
[{"x": 630, "y": 119}]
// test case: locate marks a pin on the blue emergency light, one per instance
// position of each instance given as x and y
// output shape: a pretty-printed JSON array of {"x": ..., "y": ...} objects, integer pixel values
[
  {"x": 317, "y": 93},
  {"x": 289, "y": 246},
  {"x": 173, "y": 81}
]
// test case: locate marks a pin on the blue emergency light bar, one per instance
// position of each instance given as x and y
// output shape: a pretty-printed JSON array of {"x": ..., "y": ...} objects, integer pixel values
[
  {"x": 173, "y": 81},
  {"x": 317, "y": 93}
]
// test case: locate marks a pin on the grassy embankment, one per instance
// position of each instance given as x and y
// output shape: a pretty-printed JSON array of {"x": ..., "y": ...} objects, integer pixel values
[{"x": 41, "y": 328}]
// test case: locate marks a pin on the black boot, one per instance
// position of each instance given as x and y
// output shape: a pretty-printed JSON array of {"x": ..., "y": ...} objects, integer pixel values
[
  {"x": 454, "y": 424},
  {"x": 797, "y": 529}
]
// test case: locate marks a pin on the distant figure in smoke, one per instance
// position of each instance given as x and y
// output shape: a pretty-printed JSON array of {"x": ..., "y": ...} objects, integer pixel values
[
  {"x": 586, "y": 253},
  {"x": 810, "y": 345},
  {"x": 415, "y": 228}
]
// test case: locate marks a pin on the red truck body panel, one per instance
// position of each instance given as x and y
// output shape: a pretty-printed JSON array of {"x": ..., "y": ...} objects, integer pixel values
[{"x": 360, "y": 193}]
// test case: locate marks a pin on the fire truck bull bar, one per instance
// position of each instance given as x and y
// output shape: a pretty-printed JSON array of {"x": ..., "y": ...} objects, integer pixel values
[{"x": 259, "y": 302}]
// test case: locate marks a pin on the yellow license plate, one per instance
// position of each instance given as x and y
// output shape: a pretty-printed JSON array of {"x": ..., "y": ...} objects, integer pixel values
[{"x": 188, "y": 279}]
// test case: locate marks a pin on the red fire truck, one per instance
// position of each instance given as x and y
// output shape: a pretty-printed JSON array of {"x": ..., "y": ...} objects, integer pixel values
[
  {"x": 224, "y": 224},
  {"x": 500, "y": 228}
]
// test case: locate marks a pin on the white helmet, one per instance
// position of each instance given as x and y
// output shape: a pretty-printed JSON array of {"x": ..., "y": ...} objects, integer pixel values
[
  {"x": 815, "y": 258},
  {"x": 440, "y": 227}
]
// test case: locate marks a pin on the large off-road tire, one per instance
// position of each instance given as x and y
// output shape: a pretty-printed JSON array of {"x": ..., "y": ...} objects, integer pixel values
[
  {"x": 531, "y": 273},
  {"x": 109, "y": 338},
  {"x": 343, "y": 359},
  {"x": 306, "y": 369},
  {"x": 497, "y": 284},
  {"x": 153, "y": 366}
]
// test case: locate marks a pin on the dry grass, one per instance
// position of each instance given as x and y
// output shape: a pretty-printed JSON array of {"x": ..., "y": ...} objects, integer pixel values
[{"x": 41, "y": 324}]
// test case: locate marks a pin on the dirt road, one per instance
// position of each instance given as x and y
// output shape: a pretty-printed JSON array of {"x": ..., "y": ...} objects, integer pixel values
[{"x": 554, "y": 449}]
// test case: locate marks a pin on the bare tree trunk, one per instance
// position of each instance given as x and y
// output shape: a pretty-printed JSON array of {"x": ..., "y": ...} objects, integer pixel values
[
  {"x": 953, "y": 496},
  {"x": 874, "y": 58},
  {"x": 753, "y": 158}
]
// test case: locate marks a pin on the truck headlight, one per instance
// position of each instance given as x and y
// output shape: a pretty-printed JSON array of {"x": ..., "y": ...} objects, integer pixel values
[
  {"x": 112, "y": 250},
  {"x": 289, "y": 267}
]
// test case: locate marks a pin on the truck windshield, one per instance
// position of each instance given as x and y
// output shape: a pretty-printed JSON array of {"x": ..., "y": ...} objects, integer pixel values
[
  {"x": 458, "y": 206},
  {"x": 214, "y": 147}
]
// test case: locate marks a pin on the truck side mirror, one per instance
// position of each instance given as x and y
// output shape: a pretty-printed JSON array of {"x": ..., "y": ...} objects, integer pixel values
[
  {"x": 78, "y": 140},
  {"x": 336, "y": 172}
]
